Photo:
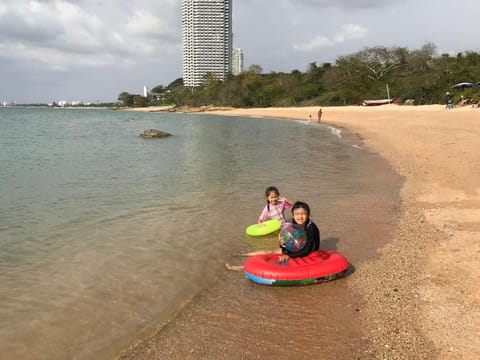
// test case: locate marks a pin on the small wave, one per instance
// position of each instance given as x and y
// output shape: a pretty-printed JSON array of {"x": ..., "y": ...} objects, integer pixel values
[
  {"x": 304, "y": 122},
  {"x": 335, "y": 131}
]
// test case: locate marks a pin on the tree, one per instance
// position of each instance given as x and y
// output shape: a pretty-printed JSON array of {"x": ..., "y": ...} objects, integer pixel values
[
  {"x": 255, "y": 69},
  {"x": 158, "y": 89},
  {"x": 380, "y": 61},
  {"x": 420, "y": 74},
  {"x": 125, "y": 98},
  {"x": 139, "y": 100}
]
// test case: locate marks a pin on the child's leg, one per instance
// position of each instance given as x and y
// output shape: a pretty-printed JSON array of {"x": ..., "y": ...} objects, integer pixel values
[
  {"x": 260, "y": 252},
  {"x": 234, "y": 267}
]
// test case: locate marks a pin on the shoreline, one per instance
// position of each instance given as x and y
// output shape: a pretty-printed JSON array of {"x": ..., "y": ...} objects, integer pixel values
[
  {"x": 422, "y": 298},
  {"x": 422, "y": 295}
]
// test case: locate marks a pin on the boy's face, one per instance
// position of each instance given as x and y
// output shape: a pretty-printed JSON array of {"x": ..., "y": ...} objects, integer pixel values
[
  {"x": 300, "y": 216},
  {"x": 272, "y": 198}
]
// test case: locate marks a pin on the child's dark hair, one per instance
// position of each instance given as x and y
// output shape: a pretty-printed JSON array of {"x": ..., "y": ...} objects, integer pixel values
[
  {"x": 271, "y": 189},
  {"x": 268, "y": 190},
  {"x": 301, "y": 205}
]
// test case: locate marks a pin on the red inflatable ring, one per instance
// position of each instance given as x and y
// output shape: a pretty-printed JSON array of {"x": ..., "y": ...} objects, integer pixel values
[{"x": 320, "y": 266}]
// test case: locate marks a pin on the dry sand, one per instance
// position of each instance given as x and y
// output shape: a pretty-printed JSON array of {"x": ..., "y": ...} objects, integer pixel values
[
  {"x": 424, "y": 291},
  {"x": 422, "y": 295}
]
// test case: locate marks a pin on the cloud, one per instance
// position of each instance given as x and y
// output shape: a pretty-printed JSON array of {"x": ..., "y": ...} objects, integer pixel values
[
  {"x": 62, "y": 47},
  {"x": 148, "y": 26},
  {"x": 59, "y": 34},
  {"x": 341, "y": 4},
  {"x": 318, "y": 5},
  {"x": 348, "y": 32}
]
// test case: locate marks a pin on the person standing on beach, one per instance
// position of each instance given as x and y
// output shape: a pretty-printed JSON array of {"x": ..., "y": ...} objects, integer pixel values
[
  {"x": 320, "y": 115},
  {"x": 448, "y": 101}
]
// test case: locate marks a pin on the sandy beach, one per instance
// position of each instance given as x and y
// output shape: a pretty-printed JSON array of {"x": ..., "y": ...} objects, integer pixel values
[
  {"x": 424, "y": 288},
  {"x": 422, "y": 295}
]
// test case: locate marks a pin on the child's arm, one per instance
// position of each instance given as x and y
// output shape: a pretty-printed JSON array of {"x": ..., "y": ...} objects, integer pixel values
[
  {"x": 265, "y": 215},
  {"x": 286, "y": 202},
  {"x": 314, "y": 233}
]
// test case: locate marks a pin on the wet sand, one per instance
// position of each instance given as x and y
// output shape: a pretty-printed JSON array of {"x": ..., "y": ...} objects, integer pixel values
[{"x": 419, "y": 299}]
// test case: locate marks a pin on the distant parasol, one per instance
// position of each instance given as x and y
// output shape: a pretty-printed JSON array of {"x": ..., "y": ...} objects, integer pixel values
[{"x": 463, "y": 85}]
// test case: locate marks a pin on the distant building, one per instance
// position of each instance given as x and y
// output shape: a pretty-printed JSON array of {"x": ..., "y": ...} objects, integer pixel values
[
  {"x": 207, "y": 40},
  {"x": 145, "y": 91},
  {"x": 237, "y": 61}
]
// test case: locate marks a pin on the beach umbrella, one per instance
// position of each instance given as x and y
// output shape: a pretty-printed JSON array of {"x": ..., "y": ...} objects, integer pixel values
[{"x": 463, "y": 85}]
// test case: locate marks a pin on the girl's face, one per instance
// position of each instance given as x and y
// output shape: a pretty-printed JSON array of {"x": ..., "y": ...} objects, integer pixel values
[
  {"x": 272, "y": 198},
  {"x": 300, "y": 216}
]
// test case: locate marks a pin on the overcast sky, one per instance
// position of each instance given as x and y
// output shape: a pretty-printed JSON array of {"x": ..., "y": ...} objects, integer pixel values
[{"x": 92, "y": 50}]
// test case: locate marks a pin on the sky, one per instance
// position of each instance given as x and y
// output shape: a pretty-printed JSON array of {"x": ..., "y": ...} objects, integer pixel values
[{"x": 92, "y": 50}]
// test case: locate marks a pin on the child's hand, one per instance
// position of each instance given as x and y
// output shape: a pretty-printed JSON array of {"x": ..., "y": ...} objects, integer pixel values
[
  {"x": 284, "y": 199},
  {"x": 283, "y": 258}
]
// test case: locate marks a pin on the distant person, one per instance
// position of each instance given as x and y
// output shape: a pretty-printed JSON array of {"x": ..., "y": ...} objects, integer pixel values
[
  {"x": 301, "y": 217},
  {"x": 275, "y": 207},
  {"x": 448, "y": 101},
  {"x": 319, "y": 115},
  {"x": 310, "y": 118}
]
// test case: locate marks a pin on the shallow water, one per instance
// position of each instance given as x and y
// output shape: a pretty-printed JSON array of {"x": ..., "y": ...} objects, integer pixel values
[
  {"x": 237, "y": 319},
  {"x": 104, "y": 234}
]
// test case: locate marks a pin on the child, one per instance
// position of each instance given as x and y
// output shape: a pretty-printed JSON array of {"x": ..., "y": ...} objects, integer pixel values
[
  {"x": 301, "y": 217},
  {"x": 275, "y": 207}
]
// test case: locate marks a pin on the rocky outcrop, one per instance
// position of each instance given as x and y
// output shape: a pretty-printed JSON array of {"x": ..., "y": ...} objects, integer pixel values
[{"x": 152, "y": 133}]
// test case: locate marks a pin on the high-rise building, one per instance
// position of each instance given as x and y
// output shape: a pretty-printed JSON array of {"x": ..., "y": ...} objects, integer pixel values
[
  {"x": 207, "y": 40},
  {"x": 237, "y": 61}
]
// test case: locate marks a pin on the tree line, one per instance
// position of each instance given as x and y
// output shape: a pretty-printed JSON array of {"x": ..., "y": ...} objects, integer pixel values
[{"x": 420, "y": 75}]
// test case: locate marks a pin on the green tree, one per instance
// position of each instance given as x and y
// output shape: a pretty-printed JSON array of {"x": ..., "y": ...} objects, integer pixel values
[
  {"x": 139, "y": 100},
  {"x": 125, "y": 98},
  {"x": 420, "y": 74},
  {"x": 256, "y": 69}
]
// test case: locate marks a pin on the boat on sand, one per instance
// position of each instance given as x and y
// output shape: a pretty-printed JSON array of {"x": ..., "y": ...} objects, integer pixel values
[{"x": 377, "y": 102}]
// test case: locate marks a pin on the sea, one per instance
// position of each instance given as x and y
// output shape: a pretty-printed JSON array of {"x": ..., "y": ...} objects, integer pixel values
[{"x": 105, "y": 235}]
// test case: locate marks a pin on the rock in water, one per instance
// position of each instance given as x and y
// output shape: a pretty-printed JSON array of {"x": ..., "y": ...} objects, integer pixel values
[{"x": 152, "y": 133}]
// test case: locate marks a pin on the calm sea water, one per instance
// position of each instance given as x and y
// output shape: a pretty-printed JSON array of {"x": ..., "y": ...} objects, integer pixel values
[{"x": 103, "y": 233}]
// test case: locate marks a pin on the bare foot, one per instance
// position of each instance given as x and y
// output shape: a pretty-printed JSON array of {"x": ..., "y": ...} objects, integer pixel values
[{"x": 233, "y": 267}]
